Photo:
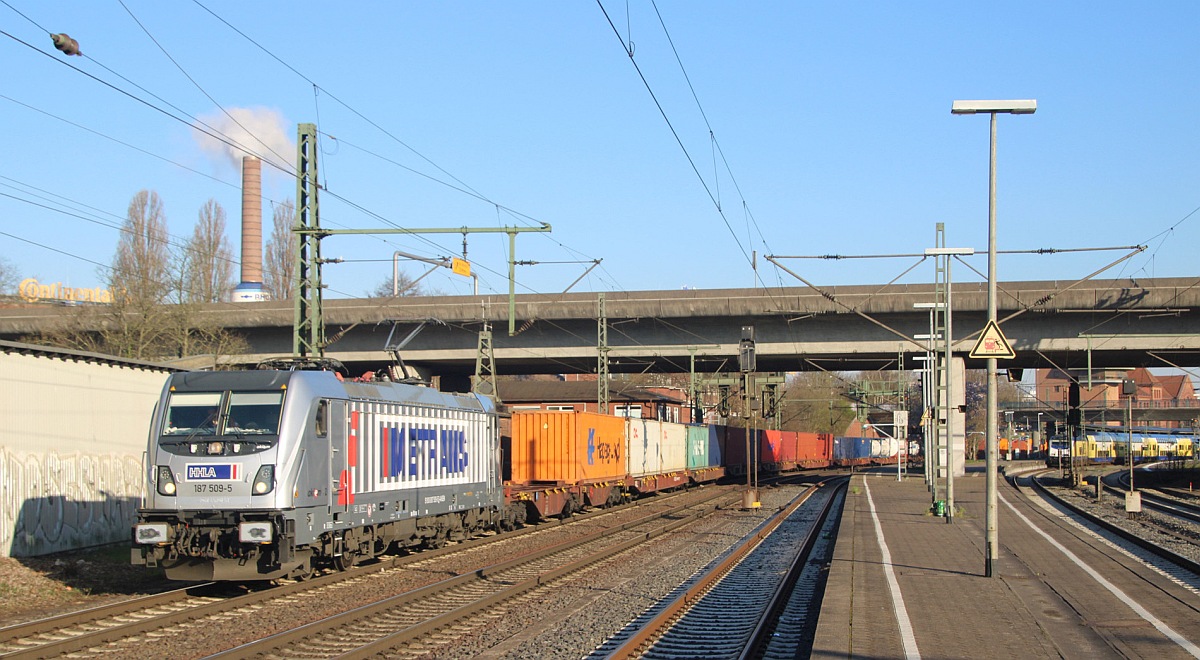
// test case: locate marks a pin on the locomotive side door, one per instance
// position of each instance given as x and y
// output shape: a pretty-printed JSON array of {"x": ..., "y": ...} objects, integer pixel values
[{"x": 341, "y": 494}]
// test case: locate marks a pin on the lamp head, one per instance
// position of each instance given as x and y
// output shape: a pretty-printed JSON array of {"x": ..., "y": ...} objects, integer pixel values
[{"x": 1015, "y": 107}]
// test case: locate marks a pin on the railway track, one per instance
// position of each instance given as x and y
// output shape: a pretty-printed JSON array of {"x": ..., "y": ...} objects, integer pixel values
[
  {"x": 1132, "y": 538},
  {"x": 1117, "y": 483},
  {"x": 734, "y": 608},
  {"x": 92, "y": 631},
  {"x": 79, "y": 630},
  {"x": 417, "y": 622}
]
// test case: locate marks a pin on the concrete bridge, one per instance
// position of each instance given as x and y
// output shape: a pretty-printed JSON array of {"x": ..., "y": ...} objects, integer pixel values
[{"x": 1068, "y": 324}]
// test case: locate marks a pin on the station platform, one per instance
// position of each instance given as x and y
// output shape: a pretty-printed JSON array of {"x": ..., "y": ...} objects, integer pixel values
[{"x": 905, "y": 583}]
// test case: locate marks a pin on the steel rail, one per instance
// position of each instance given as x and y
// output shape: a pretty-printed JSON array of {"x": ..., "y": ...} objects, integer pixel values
[
  {"x": 654, "y": 627},
  {"x": 85, "y": 628},
  {"x": 282, "y": 641},
  {"x": 1153, "y": 548},
  {"x": 761, "y": 636}
]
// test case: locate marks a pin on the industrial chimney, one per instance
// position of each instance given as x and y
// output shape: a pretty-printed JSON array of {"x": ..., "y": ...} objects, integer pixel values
[{"x": 251, "y": 289}]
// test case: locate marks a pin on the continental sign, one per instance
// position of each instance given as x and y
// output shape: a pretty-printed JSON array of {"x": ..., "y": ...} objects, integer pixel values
[{"x": 30, "y": 290}]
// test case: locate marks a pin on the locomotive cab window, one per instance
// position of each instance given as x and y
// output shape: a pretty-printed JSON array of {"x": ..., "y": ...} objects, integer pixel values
[
  {"x": 254, "y": 413},
  {"x": 192, "y": 413},
  {"x": 322, "y": 415}
]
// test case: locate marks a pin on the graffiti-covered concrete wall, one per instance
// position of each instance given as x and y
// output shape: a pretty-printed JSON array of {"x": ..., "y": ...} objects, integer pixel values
[
  {"x": 56, "y": 502},
  {"x": 73, "y": 430}
]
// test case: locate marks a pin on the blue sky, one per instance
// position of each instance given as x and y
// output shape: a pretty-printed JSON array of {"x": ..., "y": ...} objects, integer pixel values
[{"x": 832, "y": 126}]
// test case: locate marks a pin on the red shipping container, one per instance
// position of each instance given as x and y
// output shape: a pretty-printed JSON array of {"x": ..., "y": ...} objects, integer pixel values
[
  {"x": 733, "y": 449},
  {"x": 814, "y": 450},
  {"x": 774, "y": 451}
]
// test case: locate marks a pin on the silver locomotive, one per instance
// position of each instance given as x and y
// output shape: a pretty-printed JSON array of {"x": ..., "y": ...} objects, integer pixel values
[{"x": 256, "y": 475}]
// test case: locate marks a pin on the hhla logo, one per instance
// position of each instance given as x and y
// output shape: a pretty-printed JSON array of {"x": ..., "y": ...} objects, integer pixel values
[{"x": 31, "y": 290}]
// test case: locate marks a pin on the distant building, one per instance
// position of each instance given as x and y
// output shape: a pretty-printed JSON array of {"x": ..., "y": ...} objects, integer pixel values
[
  {"x": 1153, "y": 391},
  {"x": 860, "y": 429},
  {"x": 625, "y": 400}
]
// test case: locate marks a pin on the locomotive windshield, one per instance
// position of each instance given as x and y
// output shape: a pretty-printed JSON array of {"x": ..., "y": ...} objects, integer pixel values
[
  {"x": 239, "y": 414},
  {"x": 193, "y": 413},
  {"x": 254, "y": 413}
]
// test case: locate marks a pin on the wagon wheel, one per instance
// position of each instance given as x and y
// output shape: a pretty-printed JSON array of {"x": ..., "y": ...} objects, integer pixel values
[
  {"x": 435, "y": 542},
  {"x": 303, "y": 572},
  {"x": 346, "y": 560}
]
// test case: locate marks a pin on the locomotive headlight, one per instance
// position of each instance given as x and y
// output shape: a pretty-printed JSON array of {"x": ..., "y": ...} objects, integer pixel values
[
  {"x": 166, "y": 482},
  {"x": 264, "y": 480}
]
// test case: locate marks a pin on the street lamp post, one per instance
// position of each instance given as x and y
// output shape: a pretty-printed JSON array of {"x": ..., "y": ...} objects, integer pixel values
[{"x": 1016, "y": 107}]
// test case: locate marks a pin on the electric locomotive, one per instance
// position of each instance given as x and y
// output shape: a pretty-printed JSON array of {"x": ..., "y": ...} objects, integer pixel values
[{"x": 256, "y": 475}]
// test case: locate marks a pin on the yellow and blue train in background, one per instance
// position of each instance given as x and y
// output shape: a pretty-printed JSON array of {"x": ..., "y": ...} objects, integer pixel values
[{"x": 1118, "y": 445}]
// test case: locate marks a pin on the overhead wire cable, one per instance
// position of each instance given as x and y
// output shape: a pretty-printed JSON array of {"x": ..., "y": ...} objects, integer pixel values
[
  {"x": 207, "y": 130},
  {"x": 106, "y": 68},
  {"x": 715, "y": 198},
  {"x": 462, "y": 186},
  {"x": 463, "y": 190},
  {"x": 466, "y": 191},
  {"x": 22, "y": 15},
  {"x": 336, "y": 98},
  {"x": 716, "y": 144},
  {"x": 54, "y": 249},
  {"x": 203, "y": 128},
  {"x": 197, "y": 85},
  {"x": 678, "y": 140},
  {"x": 120, "y": 142},
  {"x": 172, "y": 241}
]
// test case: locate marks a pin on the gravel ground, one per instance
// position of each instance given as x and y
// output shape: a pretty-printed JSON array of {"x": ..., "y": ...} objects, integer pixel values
[
  {"x": 565, "y": 622},
  {"x": 34, "y": 588},
  {"x": 1150, "y": 524}
]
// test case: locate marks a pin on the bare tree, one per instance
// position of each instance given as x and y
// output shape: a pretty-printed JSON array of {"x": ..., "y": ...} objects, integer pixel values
[
  {"x": 8, "y": 278},
  {"x": 278, "y": 264},
  {"x": 207, "y": 263},
  {"x": 403, "y": 286},
  {"x": 156, "y": 312},
  {"x": 143, "y": 257},
  {"x": 813, "y": 401},
  {"x": 142, "y": 280}
]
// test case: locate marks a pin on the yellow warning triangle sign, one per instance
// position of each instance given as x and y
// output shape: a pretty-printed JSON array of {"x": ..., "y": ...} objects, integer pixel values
[{"x": 993, "y": 344}]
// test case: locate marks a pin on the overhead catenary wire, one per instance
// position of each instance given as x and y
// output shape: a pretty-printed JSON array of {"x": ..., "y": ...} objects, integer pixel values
[
  {"x": 212, "y": 134},
  {"x": 197, "y": 85},
  {"x": 461, "y": 186},
  {"x": 712, "y": 137},
  {"x": 53, "y": 249},
  {"x": 171, "y": 241},
  {"x": 711, "y": 133},
  {"x": 196, "y": 124},
  {"x": 678, "y": 140}
]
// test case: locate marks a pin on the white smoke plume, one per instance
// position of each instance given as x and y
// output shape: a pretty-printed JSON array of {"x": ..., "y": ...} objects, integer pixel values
[{"x": 260, "y": 132}]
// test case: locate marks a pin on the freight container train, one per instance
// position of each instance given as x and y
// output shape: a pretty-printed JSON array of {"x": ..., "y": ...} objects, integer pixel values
[
  {"x": 256, "y": 475},
  {"x": 784, "y": 451}
]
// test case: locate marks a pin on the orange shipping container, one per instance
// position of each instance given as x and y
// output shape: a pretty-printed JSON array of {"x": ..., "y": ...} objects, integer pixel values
[{"x": 566, "y": 447}]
